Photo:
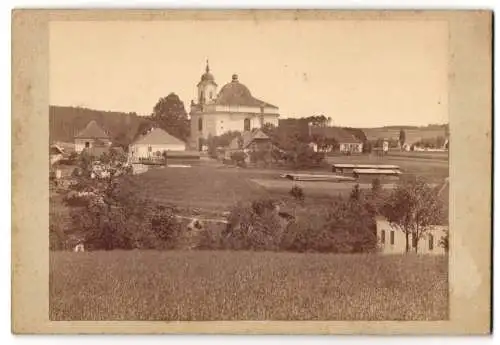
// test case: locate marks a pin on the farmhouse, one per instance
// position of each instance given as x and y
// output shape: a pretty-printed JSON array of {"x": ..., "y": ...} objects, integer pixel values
[
  {"x": 234, "y": 108},
  {"x": 155, "y": 143},
  {"x": 250, "y": 141},
  {"x": 92, "y": 135},
  {"x": 327, "y": 138},
  {"x": 392, "y": 240}
]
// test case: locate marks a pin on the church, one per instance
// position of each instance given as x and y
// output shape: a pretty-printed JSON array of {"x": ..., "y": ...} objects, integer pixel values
[{"x": 234, "y": 108}]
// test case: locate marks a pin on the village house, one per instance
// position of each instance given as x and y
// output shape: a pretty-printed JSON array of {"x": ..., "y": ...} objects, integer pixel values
[
  {"x": 328, "y": 139},
  {"x": 249, "y": 141},
  {"x": 55, "y": 153},
  {"x": 91, "y": 136},
  {"x": 234, "y": 108},
  {"x": 392, "y": 240},
  {"x": 154, "y": 144}
]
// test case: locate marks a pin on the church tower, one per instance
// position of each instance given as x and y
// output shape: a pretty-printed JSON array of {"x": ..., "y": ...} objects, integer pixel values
[{"x": 207, "y": 87}]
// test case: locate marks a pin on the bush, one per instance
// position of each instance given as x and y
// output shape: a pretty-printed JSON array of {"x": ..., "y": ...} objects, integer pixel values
[
  {"x": 253, "y": 227},
  {"x": 297, "y": 193},
  {"x": 239, "y": 158},
  {"x": 343, "y": 227}
]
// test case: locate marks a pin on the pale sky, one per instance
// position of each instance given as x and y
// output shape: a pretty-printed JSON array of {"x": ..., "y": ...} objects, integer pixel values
[{"x": 359, "y": 73}]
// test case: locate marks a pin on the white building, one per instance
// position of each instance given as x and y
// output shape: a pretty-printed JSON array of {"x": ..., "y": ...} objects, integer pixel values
[
  {"x": 154, "y": 143},
  {"x": 234, "y": 108},
  {"x": 91, "y": 136},
  {"x": 392, "y": 240}
]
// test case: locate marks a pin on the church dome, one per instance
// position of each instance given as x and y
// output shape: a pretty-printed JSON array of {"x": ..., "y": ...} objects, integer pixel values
[{"x": 235, "y": 93}]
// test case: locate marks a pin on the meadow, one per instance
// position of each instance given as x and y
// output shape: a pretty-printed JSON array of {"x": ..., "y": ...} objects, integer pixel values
[
  {"x": 219, "y": 285},
  {"x": 217, "y": 187}
]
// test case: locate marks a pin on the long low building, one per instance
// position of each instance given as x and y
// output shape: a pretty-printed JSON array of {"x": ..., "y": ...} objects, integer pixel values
[{"x": 350, "y": 167}]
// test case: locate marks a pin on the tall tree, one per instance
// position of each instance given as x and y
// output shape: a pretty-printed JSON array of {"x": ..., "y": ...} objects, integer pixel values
[
  {"x": 169, "y": 113},
  {"x": 414, "y": 207},
  {"x": 402, "y": 137}
]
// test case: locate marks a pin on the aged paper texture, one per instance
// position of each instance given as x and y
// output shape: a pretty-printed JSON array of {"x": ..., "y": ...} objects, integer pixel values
[{"x": 464, "y": 80}]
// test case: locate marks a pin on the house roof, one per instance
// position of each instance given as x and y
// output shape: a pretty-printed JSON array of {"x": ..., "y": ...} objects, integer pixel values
[
  {"x": 158, "y": 136},
  {"x": 235, "y": 93},
  {"x": 55, "y": 149},
  {"x": 340, "y": 135},
  {"x": 92, "y": 131},
  {"x": 247, "y": 138}
]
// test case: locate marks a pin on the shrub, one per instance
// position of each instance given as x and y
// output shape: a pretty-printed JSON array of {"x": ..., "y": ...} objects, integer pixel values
[
  {"x": 297, "y": 193},
  {"x": 252, "y": 227},
  {"x": 343, "y": 227},
  {"x": 238, "y": 158}
]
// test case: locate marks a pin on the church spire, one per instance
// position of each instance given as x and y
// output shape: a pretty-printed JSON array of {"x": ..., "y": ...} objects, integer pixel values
[{"x": 207, "y": 69}]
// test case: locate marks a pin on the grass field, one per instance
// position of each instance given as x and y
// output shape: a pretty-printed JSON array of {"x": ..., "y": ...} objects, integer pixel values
[
  {"x": 199, "y": 186},
  {"x": 149, "y": 285}
]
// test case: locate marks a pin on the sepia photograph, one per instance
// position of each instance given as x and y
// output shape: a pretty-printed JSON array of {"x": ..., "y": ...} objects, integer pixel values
[{"x": 252, "y": 170}]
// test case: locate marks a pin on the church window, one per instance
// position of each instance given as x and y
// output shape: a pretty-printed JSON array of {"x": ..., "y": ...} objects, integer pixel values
[
  {"x": 200, "y": 124},
  {"x": 392, "y": 237},
  {"x": 246, "y": 125}
]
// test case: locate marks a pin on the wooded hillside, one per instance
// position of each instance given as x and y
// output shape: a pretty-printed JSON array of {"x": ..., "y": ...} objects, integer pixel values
[{"x": 65, "y": 122}]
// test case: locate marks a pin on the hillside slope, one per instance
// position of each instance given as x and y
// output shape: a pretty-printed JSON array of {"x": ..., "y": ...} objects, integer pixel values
[{"x": 65, "y": 122}]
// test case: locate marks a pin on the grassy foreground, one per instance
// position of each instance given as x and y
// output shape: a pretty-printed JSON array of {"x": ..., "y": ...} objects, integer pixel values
[{"x": 194, "y": 286}]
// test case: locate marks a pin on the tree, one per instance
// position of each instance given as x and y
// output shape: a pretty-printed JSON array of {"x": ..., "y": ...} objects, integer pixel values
[
  {"x": 376, "y": 186},
  {"x": 414, "y": 207},
  {"x": 297, "y": 193},
  {"x": 402, "y": 137},
  {"x": 355, "y": 192},
  {"x": 169, "y": 113}
]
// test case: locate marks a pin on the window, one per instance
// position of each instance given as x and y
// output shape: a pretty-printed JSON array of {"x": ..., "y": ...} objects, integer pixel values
[
  {"x": 382, "y": 237},
  {"x": 87, "y": 144},
  {"x": 246, "y": 125},
  {"x": 392, "y": 237},
  {"x": 150, "y": 149},
  {"x": 200, "y": 124},
  {"x": 431, "y": 242}
]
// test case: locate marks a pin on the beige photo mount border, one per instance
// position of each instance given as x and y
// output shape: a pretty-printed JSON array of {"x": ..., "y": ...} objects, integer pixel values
[{"x": 470, "y": 116}]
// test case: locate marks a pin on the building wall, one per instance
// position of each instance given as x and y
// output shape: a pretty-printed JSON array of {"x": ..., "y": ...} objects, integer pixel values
[
  {"x": 398, "y": 245},
  {"x": 351, "y": 147},
  {"x": 147, "y": 151},
  {"x": 80, "y": 143},
  {"x": 216, "y": 124}
]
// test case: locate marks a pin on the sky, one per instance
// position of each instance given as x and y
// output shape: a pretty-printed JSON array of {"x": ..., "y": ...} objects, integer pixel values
[{"x": 359, "y": 73}]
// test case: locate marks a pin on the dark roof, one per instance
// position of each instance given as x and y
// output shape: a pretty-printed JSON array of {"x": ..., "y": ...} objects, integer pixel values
[
  {"x": 235, "y": 93},
  {"x": 207, "y": 76},
  {"x": 247, "y": 138},
  {"x": 340, "y": 135},
  {"x": 92, "y": 131}
]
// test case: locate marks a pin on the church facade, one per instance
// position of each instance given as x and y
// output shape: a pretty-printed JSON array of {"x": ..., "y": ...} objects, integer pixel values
[{"x": 233, "y": 108}]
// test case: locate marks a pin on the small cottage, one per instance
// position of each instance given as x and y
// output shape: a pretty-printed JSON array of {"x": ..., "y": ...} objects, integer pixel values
[
  {"x": 249, "y": 141},
  {"x": 153, "y": 144},
  {"x": 91, "y": 136}
]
